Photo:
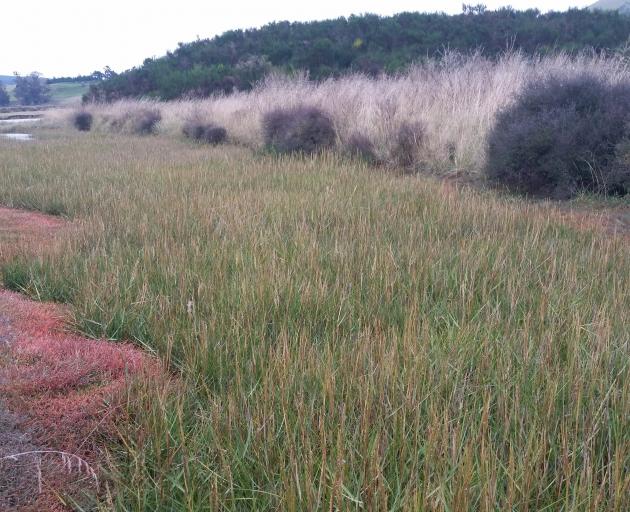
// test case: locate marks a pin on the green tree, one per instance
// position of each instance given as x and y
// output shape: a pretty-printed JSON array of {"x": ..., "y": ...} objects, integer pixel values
[
  {"x": 369, "y": 43},
  {"x": 4, "y": 96},
  {"x": 31, "y": 89}
]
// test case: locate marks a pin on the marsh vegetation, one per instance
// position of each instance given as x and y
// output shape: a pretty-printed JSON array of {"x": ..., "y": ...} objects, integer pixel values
[{"x": 343, "y": 336}]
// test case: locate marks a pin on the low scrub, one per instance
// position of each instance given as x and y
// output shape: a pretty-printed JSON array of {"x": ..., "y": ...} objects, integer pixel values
[
  {"x": 300, "y": 129},
  {"x": 361, "y": 147},
  {"x": 82, "y": 121},
  {"x": 407, "y": 141},
  {"x": 560, "y": 137},
  {"x": 205, "y": 132},
  {"x": 621, "y": 168},
  {"x": 145, "y": 121},
  {"x": 456, "y": 98},
  {"x": 140, "y": 120}
]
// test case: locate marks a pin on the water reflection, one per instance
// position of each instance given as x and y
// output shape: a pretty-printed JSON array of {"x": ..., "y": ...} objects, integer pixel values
[{"x": 17, "y": 136}]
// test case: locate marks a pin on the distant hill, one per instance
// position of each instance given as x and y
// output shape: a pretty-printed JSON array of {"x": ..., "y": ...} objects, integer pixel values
[
  {"x": 369, "y": 44},
  {"x": 621, "y": 6},
  {"x": 7, "y": 79}
]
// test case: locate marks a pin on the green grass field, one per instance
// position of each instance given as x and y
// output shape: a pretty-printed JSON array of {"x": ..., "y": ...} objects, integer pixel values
[
  {"x": 345, "y": 338},
  {"x": 60, "y": 93},
  {"x": 67, "y": 92}
]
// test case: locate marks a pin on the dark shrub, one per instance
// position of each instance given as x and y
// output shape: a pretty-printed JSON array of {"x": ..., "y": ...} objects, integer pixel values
[
  {"x": 214, "y": 134},
  {"x": 144, "y": 121},
  {"x": 83, "y": 121},
  {"x": 560, "y": 137},
  {"x": 193, "y": 130},
  {"x": 210, "y": 133},
  {"x": 620, "y": 176},
  {"x": 359, "y": 146},
  {"x": 409, "y": 138},
  {"x": 300, "y": 129}
]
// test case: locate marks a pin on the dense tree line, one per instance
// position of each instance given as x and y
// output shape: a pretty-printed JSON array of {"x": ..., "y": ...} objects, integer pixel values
[
  {"x": 369, "y": 43},
  {"x": 95, "y": 76}
]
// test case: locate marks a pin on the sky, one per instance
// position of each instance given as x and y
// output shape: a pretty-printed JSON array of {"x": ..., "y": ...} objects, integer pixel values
[{"x": 72, "y": 37}]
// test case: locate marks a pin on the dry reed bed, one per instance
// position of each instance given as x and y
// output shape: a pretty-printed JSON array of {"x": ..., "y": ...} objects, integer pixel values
[
  {"x": 347, "y": 339},
  {"x": 454, "y": 99}
]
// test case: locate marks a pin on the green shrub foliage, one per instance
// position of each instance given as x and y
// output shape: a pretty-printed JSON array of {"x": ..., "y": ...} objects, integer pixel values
[{"x": 560, "y": 137}]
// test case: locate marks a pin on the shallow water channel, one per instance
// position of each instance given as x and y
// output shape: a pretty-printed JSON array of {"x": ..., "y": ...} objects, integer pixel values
[{"x": 17, "y": 136}]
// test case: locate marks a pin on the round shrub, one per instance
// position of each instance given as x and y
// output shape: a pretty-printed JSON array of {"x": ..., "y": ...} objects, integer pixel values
[
  {"x": 298, "y": 130},
  {"x": 560, "y": 137},
  {"x": 193, "y": 130},
  {"x": 83, "y": 121},
  {"x": 213, "y": 134},
  {"x": 144, "y": 121},
  {"x": 205, "y": 132}
]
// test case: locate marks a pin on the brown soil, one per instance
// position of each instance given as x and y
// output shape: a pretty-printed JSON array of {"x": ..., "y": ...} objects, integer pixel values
[{"x": 58, "y": 392}]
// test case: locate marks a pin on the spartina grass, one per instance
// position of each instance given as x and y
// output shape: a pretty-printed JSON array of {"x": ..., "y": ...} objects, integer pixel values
[{"x": 344, "y": 340}]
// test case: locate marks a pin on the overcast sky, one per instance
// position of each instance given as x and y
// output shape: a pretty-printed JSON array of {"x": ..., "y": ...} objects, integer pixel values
[{"x": 71, "y": 37}]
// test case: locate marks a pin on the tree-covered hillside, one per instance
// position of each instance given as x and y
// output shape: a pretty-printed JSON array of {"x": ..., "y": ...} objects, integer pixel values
[
  {"x": 369, "y": 43},
  {"x": 622, "y": 6}
]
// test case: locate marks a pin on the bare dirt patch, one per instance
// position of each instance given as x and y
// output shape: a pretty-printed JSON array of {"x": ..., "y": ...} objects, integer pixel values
[{"x": 59, "y": 392}]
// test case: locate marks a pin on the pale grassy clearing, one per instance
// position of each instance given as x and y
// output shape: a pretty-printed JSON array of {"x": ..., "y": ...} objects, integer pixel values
[
  {"x": 455, "y": 100},
  {"x": 347, "y": 339}
]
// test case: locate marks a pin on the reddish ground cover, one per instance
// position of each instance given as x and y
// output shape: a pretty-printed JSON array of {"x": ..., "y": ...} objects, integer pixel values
[
  {"x": 22, "y": 230},
  {"x": 59, "y": 392},
  {"x": 22, "y": 222}
]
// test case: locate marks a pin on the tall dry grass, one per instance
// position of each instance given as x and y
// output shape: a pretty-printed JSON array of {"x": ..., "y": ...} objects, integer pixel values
[{"x": 455, "y": 99}]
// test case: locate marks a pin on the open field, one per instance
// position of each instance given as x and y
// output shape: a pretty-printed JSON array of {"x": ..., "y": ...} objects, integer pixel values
[
  {"x": 68, "y": 93},
  {"x": 346, "y": 338}
]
